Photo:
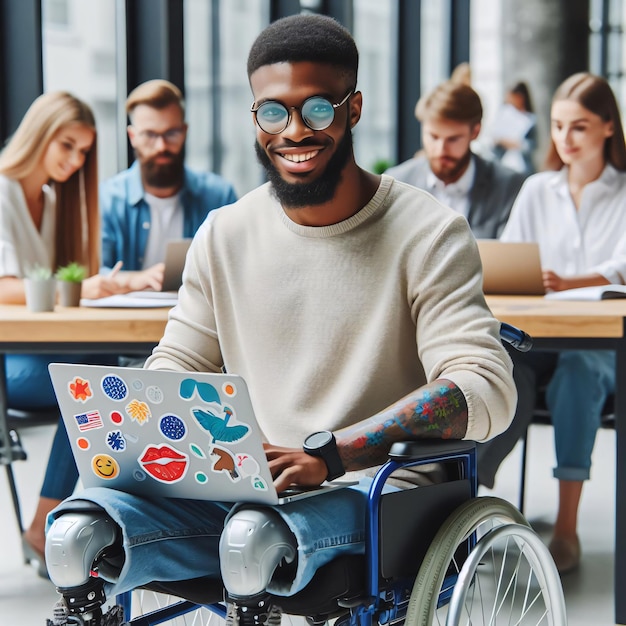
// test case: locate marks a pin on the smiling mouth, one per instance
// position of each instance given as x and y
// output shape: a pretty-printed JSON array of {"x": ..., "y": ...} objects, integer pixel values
[{"x": 299, "y": 158}]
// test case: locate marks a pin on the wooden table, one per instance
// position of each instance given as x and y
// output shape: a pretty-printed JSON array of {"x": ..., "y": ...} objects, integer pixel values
[
  {"x": 20, "y": 329},
  {"x": 558, "y": 325}
]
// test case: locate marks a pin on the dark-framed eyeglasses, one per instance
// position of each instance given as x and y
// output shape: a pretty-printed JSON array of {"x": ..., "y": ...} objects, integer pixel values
[
  {"x": 317, "y": 112},
  {"x": 171, "y": 137}
]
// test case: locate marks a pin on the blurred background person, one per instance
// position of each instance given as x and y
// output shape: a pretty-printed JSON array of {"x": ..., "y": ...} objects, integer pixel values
[
  {"x": 514, "y": 130},
  {"x": 158, "y": 197},
  {"x": 481, "y": 190}
]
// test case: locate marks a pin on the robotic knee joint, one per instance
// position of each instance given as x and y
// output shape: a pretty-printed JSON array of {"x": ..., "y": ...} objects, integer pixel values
[
  {"x": 75, "y": 543},
  {"x": 253, "y": 543}
]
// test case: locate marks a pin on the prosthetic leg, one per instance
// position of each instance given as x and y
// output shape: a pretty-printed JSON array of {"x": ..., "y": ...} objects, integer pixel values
[
  {"x": 252, "y": 546},
  {"x": 84, "y": 548},
  {"x": 81, "y": 546}
]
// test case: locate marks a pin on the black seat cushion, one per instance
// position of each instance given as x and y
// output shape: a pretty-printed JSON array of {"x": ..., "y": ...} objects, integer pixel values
[{"x": 340, "y": 580}]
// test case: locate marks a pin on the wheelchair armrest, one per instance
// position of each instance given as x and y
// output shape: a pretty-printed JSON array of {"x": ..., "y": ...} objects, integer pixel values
[{"x": 424, "y": 449}]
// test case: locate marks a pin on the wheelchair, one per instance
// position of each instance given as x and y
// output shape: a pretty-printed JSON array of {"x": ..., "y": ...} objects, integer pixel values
[{"x": 435, "y": 554}]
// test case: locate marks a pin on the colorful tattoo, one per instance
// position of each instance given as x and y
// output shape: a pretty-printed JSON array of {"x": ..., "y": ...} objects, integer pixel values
[{"x": 436, "y": 411}]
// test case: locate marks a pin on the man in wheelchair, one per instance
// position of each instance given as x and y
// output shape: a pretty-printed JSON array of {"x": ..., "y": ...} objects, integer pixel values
[{"x": 351, "y": 304}]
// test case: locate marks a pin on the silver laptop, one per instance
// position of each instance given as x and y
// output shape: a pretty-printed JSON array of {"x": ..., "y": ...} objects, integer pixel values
[
  {"x": 175, "y": 255},
  {"x": 511, "y": 268},
  {"x": 165, "y": 433}
]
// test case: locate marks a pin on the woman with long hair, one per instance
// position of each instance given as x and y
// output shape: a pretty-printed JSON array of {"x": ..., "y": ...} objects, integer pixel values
[
  {"x": 48, "y": 218},
  {"x": 576, "y": 211}
]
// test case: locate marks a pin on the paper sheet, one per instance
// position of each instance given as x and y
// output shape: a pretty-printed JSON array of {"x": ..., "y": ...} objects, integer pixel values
[{"x": 135, "y": 300}]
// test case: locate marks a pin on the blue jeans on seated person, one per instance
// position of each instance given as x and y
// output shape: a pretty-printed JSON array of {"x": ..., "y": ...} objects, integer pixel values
[
  {"x": 575, "y": 397},
  {"x": 170, "y": 539},
  {"x": 29, "y": 387}
]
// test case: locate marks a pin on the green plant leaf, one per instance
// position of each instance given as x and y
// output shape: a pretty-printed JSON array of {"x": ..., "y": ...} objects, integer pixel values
[{"x": 73, "y": 273}]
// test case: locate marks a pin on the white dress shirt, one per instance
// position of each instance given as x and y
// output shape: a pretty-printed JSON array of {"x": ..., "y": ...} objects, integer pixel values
[
  {"x": 456, "y": 195},
  {"x": 572, "y": 242}
]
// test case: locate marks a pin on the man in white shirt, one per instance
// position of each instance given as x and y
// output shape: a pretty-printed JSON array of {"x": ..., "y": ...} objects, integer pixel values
[{"x": 483, "y": 191}]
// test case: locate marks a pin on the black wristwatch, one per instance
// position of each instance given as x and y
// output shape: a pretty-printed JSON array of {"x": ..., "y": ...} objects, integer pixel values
[{"x": 323, "y": 444}]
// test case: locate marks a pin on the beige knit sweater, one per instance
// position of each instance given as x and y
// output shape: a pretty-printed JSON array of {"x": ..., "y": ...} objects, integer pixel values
[{"x": 330, "y": 325}]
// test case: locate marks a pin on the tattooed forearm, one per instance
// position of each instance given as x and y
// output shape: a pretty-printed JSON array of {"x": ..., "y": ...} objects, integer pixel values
[{"x": 436, "y": 411}]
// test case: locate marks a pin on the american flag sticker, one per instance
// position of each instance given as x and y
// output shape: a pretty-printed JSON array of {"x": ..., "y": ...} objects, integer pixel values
[{"x": 88, "y": 421}]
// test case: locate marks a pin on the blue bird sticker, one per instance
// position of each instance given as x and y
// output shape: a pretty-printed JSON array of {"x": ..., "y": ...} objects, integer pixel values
[{"x": 218, "y": 426}]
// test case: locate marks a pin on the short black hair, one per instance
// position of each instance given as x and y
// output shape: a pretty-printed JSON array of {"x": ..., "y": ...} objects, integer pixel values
[{"x": 306, "y": 37}]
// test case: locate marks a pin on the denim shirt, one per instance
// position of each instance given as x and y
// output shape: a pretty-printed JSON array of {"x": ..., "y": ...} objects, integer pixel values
[{"x": 126, "y": 214}]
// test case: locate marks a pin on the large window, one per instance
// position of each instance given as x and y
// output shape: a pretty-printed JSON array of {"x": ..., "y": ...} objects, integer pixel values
[
  {"x": 374, "y": 134},
  {"x": 79, "y": 56},
  {"x": 218, "y": 35},
  {"x": 607, "y": 53}
]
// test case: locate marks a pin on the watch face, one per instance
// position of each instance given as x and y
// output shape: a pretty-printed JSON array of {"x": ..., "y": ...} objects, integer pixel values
[{"x": 318, "y": 440}]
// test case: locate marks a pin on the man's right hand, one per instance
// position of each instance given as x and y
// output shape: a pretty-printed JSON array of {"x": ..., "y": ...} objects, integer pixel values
[{"x": 151, "y": 278}]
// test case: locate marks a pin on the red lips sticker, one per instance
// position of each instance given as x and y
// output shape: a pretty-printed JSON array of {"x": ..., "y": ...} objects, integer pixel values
[{"x": 164, "y": 463}]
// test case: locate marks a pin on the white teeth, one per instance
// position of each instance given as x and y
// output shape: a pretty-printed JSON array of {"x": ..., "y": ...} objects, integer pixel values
[{"x": 299, "y": 158}]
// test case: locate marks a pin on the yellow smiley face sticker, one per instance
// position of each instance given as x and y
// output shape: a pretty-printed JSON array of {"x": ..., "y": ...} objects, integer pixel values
[{"x": 105, "y": 466}]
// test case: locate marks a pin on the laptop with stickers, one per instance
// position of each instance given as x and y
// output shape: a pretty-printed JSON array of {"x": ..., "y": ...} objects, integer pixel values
[{"x": 164, "y": 433}]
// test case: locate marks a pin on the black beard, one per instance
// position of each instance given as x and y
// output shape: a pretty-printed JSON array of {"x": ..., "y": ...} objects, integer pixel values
[
  {"x": 319, "y": 191},
  {"x": 163, "y": 175}
]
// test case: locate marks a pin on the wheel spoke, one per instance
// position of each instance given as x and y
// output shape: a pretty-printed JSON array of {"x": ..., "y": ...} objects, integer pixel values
[{"x": 508, "y": 578}]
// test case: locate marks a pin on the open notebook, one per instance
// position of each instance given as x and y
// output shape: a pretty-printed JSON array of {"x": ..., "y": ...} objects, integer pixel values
[
  {"x": 600, "y": 292},
  {"x": 165, "y": 433}
]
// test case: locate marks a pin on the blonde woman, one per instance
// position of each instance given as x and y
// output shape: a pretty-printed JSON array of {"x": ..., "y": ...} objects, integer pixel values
[{"x": 49, "y": 217}]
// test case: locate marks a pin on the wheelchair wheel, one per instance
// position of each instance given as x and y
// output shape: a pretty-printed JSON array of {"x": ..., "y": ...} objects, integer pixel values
[{"x": 487, "y": 566}]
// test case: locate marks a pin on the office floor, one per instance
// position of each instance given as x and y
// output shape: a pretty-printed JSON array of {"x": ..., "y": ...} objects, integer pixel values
[{"x": 26, "y": 599}]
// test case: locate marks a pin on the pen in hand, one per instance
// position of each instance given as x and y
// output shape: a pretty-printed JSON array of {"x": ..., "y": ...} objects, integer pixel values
[{"x": 116, "y": 268}]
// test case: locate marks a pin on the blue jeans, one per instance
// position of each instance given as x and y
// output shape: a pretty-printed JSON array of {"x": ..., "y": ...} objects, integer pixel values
[
  {"x": 578, "y": 383},
  {"x": 29, "y": 387},
  {"x": 575, "y": 396},
  {"x": 175, "y": 539},
  {"x": 61, "y": 472}
]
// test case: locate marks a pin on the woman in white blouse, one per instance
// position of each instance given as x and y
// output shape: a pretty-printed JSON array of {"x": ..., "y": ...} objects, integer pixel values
[
  {"x": 49, "y": 217},
  {"x": 576, "y": 211}
]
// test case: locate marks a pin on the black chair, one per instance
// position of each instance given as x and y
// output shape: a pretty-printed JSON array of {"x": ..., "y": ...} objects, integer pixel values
[
  {"x": 10, "y": 426},
  {"x": 541, "y": 415}
]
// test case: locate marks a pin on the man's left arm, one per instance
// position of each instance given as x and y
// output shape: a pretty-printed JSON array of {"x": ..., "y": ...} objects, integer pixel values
[{"x": 437, "y": 410}]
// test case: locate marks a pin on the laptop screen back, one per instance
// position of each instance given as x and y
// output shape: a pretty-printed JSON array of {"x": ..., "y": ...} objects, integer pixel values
[{"x": 511, "y": 268}]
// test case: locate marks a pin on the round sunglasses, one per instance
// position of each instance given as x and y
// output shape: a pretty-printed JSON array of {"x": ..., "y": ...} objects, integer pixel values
[{"x": 317, "y": 112}]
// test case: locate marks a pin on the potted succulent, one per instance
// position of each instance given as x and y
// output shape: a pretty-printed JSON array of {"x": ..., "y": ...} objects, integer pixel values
[
  {"x": 69, "y": 283},
  {"x": 40, "y": 288}
]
